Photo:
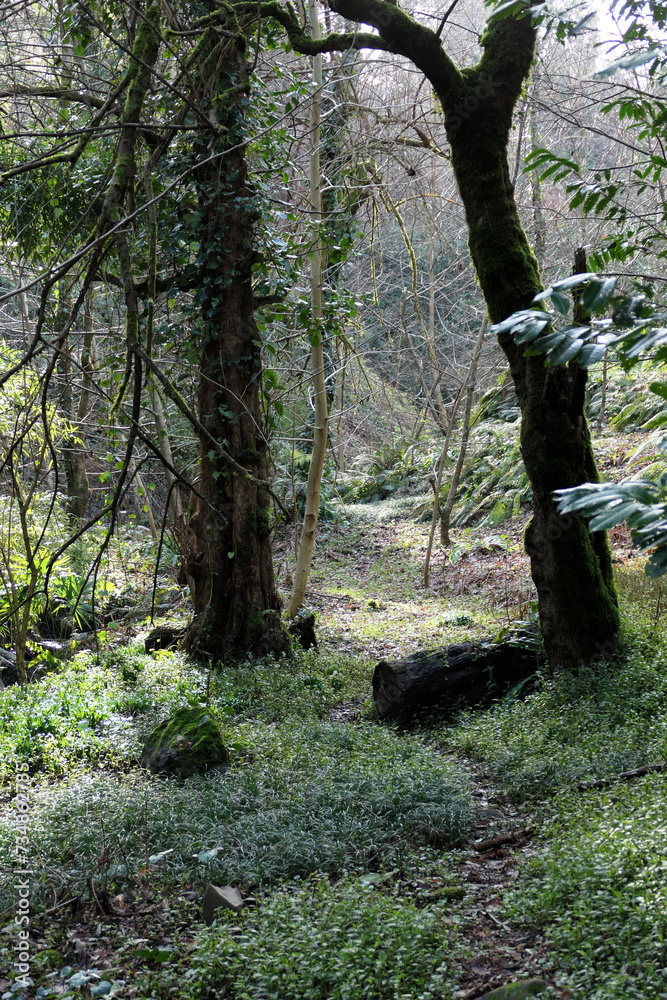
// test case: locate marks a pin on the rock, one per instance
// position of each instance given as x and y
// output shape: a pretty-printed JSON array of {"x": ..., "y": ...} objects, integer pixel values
[
  {"x": 517, "y": 991},
  {"x": 165, "y": 637},
  {"x": 216, "y": 898},
  {"x": 303, "y": 630},
  {"x": 60, "y": 650},
  {"x": 190, "y": 742},
  {"x": 9, "y": 671}
]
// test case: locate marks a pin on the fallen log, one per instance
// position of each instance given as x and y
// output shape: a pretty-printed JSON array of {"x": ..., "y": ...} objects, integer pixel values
[
  {"x": 453, "y": 677},
  {"x": 165, "y": 637}
]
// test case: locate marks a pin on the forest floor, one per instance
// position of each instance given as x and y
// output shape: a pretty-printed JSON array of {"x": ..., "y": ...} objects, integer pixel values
[{"x": 437, "y": 861}]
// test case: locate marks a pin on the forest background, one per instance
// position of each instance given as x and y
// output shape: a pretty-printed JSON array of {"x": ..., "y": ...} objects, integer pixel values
[{"x": 238, "y": 297}]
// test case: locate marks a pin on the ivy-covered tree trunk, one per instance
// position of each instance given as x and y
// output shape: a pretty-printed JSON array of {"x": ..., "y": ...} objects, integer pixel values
[
  {"x": 571, "y": 568},
  {"x": 229, "y": 558}
]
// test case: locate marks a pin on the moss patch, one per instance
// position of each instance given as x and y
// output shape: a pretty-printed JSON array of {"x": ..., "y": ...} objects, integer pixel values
[{"x": 189, "y": 742}]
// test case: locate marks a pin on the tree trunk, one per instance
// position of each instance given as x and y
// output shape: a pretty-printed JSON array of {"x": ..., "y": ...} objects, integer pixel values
[
  {"x": 228, "y": 558},
  {"x": 571, "y": 568},
  {"x": 446, "y": 511},
  {"x": 74, "y": 451},
  {"x": 320, "y": 430}
]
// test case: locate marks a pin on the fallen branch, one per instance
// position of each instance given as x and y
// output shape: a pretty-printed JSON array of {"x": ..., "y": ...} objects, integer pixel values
[
  {"x": 636, "y": 772},
  {"x": 507, "y": 838}
]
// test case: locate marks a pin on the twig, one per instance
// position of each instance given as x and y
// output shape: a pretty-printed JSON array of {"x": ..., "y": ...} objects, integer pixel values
[
  {"x": 507, "y": 838},
  {"x": 636, "y": 772},
  {"x": 59, "y": 906}
]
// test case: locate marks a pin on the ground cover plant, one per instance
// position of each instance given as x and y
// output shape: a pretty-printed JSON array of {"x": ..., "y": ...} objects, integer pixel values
[{"x": 353, "y": 841}]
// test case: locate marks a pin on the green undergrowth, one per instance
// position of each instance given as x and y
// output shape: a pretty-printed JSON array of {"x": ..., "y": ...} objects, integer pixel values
[
  {"x": 341, "y": 942},
  {"x": 599, "y": 722},
  {"x": 598, "y": 891},
  {"x": 298, "y": 798},
  {"x": 595, "y": 888},
  {"x": 96, "y": 709}
]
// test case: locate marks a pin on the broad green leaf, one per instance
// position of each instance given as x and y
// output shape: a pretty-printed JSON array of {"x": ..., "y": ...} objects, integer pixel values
[
  {"x": 659, "y": 389},
  {"x": 565, "y": 353},
  {"x": 507, "y": 9},
  {"x": 578, "y": 28},
  {"x": 591, "y": 353},
  {"x": 659, "y": 420},
  {"x": 597, "y": 293},
  {"x": 657, "y": 564},
  {"x": 614, "y": 515},
  {"x": 205, "y": 856},
  {"x": 629, "y": 62},
  {"x": 561, "y": 301},
  {"x": 513, "y": 321},
  {"x": 573, "y": 281},
  {"x": 79, "y": 979},
  {"x": 529, "y": 328}
]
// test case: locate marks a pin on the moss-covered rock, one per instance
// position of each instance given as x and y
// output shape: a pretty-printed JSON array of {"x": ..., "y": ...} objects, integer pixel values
[{"x": 189, "y": 742}]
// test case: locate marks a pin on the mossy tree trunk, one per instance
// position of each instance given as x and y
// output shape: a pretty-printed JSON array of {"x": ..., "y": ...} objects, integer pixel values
[
  {"x": 228, "y": 556},
  {"x": 571, "y": 568}
]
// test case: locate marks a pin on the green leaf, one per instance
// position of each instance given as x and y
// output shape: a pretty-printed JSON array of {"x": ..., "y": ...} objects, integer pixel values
[
  {"x": 561, "y": 301},
  {"x": 205, "y": 856},
  {"x": 614, "y": 515},
  {"x": 591, "y": 353},
  {"x": 629, "y": 62},
  {"x": 507, "y": 9},
  {"x": 597, "y": 293},
  {"x": 155, "y": 858},
  {"x": 659, "y": 389},
  {"x": 659, "y": 420},
  {"x": 568, "y": 350},
  {"x": 79, "y": 979},
  {"x": 657, "y": 564},
  {"x": 573, "y": 281},
  {"x": 578, "y": 28}
]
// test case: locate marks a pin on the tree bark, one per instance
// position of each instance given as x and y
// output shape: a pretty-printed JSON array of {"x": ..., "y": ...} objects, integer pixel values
[
  {"x": 469, "y": 673},
  {"x": 570, "y": 567},
  {"x": 320, "y": 430},
  {"x": 78, "y": 486},
  {"x": 228, "y": 557}
]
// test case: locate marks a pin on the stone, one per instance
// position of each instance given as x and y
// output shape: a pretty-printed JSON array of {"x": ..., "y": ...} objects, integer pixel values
[
  {"x": 217, "y": 898},
  {"x": 189, "y": 742},
  {"x": 520, "y": 990},
  {"x": 165, "y": 637},
  {"x": 9, "y": 673}
]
